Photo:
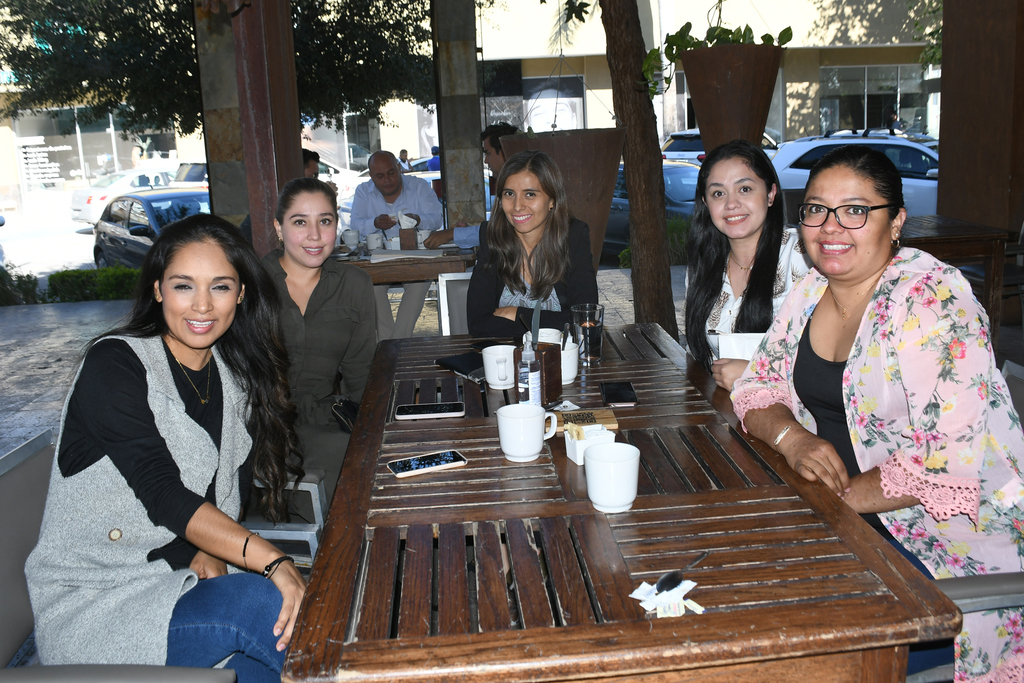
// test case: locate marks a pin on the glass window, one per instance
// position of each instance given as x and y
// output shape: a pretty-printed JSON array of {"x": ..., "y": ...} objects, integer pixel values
[
  {"x": 117, "y": 212},
  {"x": 175, "y": 208},
  {"x": 805, "y": 162},
  {"x": 895, "y": 96},
  {"x": 137, "y": 216},
  {"x": 911, "y": 163},
  {"x": 680, "y": 184},
  {"x": 685, "y": 143},
  {"x": 142, "y": 181},
  {"x": 842, "y": 98},
  {"x": 913, "y": 111},
  {"x": 882, "y": 95},
  {"x": 620, "y": 186}
]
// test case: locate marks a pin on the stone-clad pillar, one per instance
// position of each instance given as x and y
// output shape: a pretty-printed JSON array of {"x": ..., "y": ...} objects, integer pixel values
[{"x": 458, "y": 108}]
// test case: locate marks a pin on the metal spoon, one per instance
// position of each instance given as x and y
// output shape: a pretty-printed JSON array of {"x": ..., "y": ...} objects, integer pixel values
[{"x": 670, "y": 580}]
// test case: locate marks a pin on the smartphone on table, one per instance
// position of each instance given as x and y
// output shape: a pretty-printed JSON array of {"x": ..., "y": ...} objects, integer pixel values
[
  {"x": 429, "y": 411},
  {"x": 426, "y": 463},
  {"x": 618, "y": 394}
]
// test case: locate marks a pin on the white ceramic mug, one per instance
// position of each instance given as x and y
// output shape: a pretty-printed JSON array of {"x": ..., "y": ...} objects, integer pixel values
[
  {"x": 547, "y": 335},
  {"x": 375, "y": 240},
  {"x": 421, "y": 237},
  {"x": 612, "y": 471},
  {"x": 570, "y": 362},
  {"x": 499, "y": 366},
  {"x": 394, "y": 243},
  {"x": 350, "y": 238},
  {"x": 521, "y": 431}
]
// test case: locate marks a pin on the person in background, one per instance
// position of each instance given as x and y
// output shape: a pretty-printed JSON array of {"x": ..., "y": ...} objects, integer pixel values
[
  {"x": 403, "y": 161},
  {"x": 531, "y": 250},
  {"x": 744, "y": 262},
  {"x": 464, "y": 235},
  {"x": 168, "y": 421},
  {"x": 434, "y": 163},
  {"x": 376, "y": 206},
  {"x": 877, "y": 378},
  {"x": 310, "y": 163},
  {"x": 328, "y": 321}
]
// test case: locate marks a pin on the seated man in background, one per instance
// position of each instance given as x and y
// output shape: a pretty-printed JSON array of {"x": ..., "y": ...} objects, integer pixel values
[
  {"x": 377, "y": 206},
  {"x": 464, "y": 235}
]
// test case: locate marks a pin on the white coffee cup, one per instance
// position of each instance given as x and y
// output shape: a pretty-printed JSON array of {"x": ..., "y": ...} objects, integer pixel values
[
  {"x": 570, "y": 362},
  {"x": 395, "y": 243},
  {"x": 421, "y": 237},
  {"x": 547, "y": 335},
  {"x": 499, "y": 366},
  {"x": 350, "y": 238},
  {"x": 521, "y": 431},
  {"x": 612, "y": 471},
  {"x": 375, "y": 240}
]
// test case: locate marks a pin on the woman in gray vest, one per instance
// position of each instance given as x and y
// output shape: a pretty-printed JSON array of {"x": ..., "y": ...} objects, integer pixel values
[{"x": 170, "y": 417}]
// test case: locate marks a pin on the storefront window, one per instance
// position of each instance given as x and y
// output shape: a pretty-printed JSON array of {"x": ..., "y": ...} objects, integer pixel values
[{"x": 859, "y": 97}]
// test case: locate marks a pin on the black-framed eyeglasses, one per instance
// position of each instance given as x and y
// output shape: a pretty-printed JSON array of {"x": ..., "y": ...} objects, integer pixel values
[{"x": 849, "y": 216}]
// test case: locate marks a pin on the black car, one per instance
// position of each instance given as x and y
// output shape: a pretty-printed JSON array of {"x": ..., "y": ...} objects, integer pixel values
[
  {"x": 680, "y": 188},
  {"x": 130, "y": 223}
]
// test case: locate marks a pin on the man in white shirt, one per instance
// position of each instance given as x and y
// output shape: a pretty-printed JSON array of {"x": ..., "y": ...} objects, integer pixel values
[{"x": 377, "y": 206}]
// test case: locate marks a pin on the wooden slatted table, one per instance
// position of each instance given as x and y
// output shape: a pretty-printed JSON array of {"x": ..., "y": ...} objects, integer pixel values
[
  {"x": 504, "y": 571},
  {"x": 415, "y": 269}
]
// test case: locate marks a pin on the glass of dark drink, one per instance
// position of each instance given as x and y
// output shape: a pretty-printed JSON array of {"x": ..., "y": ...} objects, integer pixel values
[{"x": 588, "y": 319}]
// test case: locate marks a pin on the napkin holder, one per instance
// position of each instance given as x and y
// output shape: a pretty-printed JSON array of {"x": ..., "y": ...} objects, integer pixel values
[
  {"x": 576, "y": 449},
  {"x": 407, "y": 239},
  {"x": 550, "y": 357}
]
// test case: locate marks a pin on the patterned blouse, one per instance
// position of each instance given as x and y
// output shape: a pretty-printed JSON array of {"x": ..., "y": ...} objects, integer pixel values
[
  {"x": 926, "y": 404},
  {"x": 793, "y": 265}
]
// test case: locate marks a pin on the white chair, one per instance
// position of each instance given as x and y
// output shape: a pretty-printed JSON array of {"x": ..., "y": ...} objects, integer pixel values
[
  {"x": 452, "y": 293},
  {"x": 1014, "y": 375},
  {"x": 313, "y": 484}
]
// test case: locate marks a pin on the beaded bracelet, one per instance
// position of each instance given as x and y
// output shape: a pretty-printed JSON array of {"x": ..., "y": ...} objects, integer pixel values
[{"x": 272, "y": 567}]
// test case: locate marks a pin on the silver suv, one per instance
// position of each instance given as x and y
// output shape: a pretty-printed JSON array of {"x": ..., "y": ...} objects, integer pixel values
[{"x": 918, "y": 165}]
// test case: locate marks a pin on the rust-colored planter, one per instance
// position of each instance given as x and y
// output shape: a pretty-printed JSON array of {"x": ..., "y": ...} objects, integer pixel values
[
  {"x": 589, "y": 161},
  {"x": 731, "y": 87}
]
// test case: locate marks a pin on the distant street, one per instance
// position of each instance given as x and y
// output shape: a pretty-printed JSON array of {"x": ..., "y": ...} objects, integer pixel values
[{"x": 41, "y": 238}]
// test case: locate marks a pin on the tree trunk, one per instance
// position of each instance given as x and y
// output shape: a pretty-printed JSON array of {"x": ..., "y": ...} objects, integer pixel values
[{"x": 648, "y": 242}]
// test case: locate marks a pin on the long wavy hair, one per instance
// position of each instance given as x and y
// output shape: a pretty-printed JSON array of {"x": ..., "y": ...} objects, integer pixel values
[
  {"x": 549, "y": 261},
  {"x": 251, "y": 347},
  {"x": 709, "y": 249}
]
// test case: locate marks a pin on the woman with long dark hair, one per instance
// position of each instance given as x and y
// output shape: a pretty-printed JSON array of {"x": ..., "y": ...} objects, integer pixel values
[
  {"x": 531, "y": 250},
  {"x": 170, "y": 417},
  {"x": 328, "y": 321},
  {"x": 743, "y": 262}
]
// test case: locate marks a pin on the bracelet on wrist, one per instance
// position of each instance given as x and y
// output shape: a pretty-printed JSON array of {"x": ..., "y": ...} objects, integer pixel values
[
  {"x": 781, "y": 435},
  {"x": 272, "y": 567},
  {"x": 245, "y": 546}
]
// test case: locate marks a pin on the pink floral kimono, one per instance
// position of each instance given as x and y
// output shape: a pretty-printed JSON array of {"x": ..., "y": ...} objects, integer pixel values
[{"x": 926, "y": 404}]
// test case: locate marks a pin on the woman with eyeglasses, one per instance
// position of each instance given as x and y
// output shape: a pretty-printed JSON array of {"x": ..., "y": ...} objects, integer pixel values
[
  {"x": 877, "y": 379},
  {"x": 743, "y": 260}
]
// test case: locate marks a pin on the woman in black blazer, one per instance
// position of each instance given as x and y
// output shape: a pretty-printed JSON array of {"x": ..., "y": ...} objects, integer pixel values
[{"x": 531, "y": 249}]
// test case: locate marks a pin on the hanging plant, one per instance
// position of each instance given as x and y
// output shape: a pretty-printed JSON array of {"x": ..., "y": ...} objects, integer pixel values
[{"x": 681, "y": 41}]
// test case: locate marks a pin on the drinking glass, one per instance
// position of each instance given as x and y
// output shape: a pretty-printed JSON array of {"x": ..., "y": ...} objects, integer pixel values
[{"x": 588, "y": 319}]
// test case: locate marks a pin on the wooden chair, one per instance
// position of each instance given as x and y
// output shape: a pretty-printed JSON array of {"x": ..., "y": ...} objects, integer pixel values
[
  {"x": 24, "y": 481},
  {"x": 1013, "y": 273}
]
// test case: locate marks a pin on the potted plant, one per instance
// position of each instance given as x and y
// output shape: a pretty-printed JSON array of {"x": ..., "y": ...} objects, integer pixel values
[{"x": 731, "y": 79}]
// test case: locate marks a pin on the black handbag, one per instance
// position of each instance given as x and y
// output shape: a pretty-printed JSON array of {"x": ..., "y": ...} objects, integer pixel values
[{"x": 345, "y": 413}]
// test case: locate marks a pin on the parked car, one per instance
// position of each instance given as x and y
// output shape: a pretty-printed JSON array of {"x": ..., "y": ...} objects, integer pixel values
[
  {"x": 128, "y": 226},
  {"x": 918, "y": 165},
  {"x": 680, "y": 188},
  {"x": 329, "y": 173},
  {"x": 686, "y": 145},
  {"x": 191, "y": 174},
  {"x": 87, "y": 204}
]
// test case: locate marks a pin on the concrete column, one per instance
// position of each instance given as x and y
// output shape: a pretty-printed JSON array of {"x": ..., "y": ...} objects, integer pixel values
[
  {"x": 981, "y": 178},
  {"x": 458, "y": 108},
  {"x": 222, "y": 133}
]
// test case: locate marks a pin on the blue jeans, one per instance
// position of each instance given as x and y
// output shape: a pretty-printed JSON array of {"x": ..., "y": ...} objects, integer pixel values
[{"x": 225, "y": 616}]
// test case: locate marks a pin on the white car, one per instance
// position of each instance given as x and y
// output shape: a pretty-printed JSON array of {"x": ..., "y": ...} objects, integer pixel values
[
  {"x": 918, "y": 166},
  {"x": 88, "y": 203},
  {"x": 686, "y": 145}
]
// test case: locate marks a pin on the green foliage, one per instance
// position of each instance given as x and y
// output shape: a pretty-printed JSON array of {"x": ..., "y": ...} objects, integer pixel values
[
  {"x": 682, "y": 40},
  {"x": 103, "y": 284},
  {"x": 928, "y": 28},
  {"x": 17, "y": 287},
  {"x": 677, "y": 229},
  {"x": 138, "y": 60}
]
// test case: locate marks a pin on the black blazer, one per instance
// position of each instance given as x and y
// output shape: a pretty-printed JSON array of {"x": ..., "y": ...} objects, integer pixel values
[{"x": 578, "y": 286}]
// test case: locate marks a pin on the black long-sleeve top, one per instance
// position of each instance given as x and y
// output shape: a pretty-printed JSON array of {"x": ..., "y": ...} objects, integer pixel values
[
  {"x": 109, "y": 415},
  {"x": 578, "y": 286}
]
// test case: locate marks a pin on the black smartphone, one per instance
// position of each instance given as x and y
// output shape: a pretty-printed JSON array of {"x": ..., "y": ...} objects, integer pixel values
[
  {"x": 429, "y": 462},
  {"x": 426, "y": 411},
  {"x": 618, "y": 394}
]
